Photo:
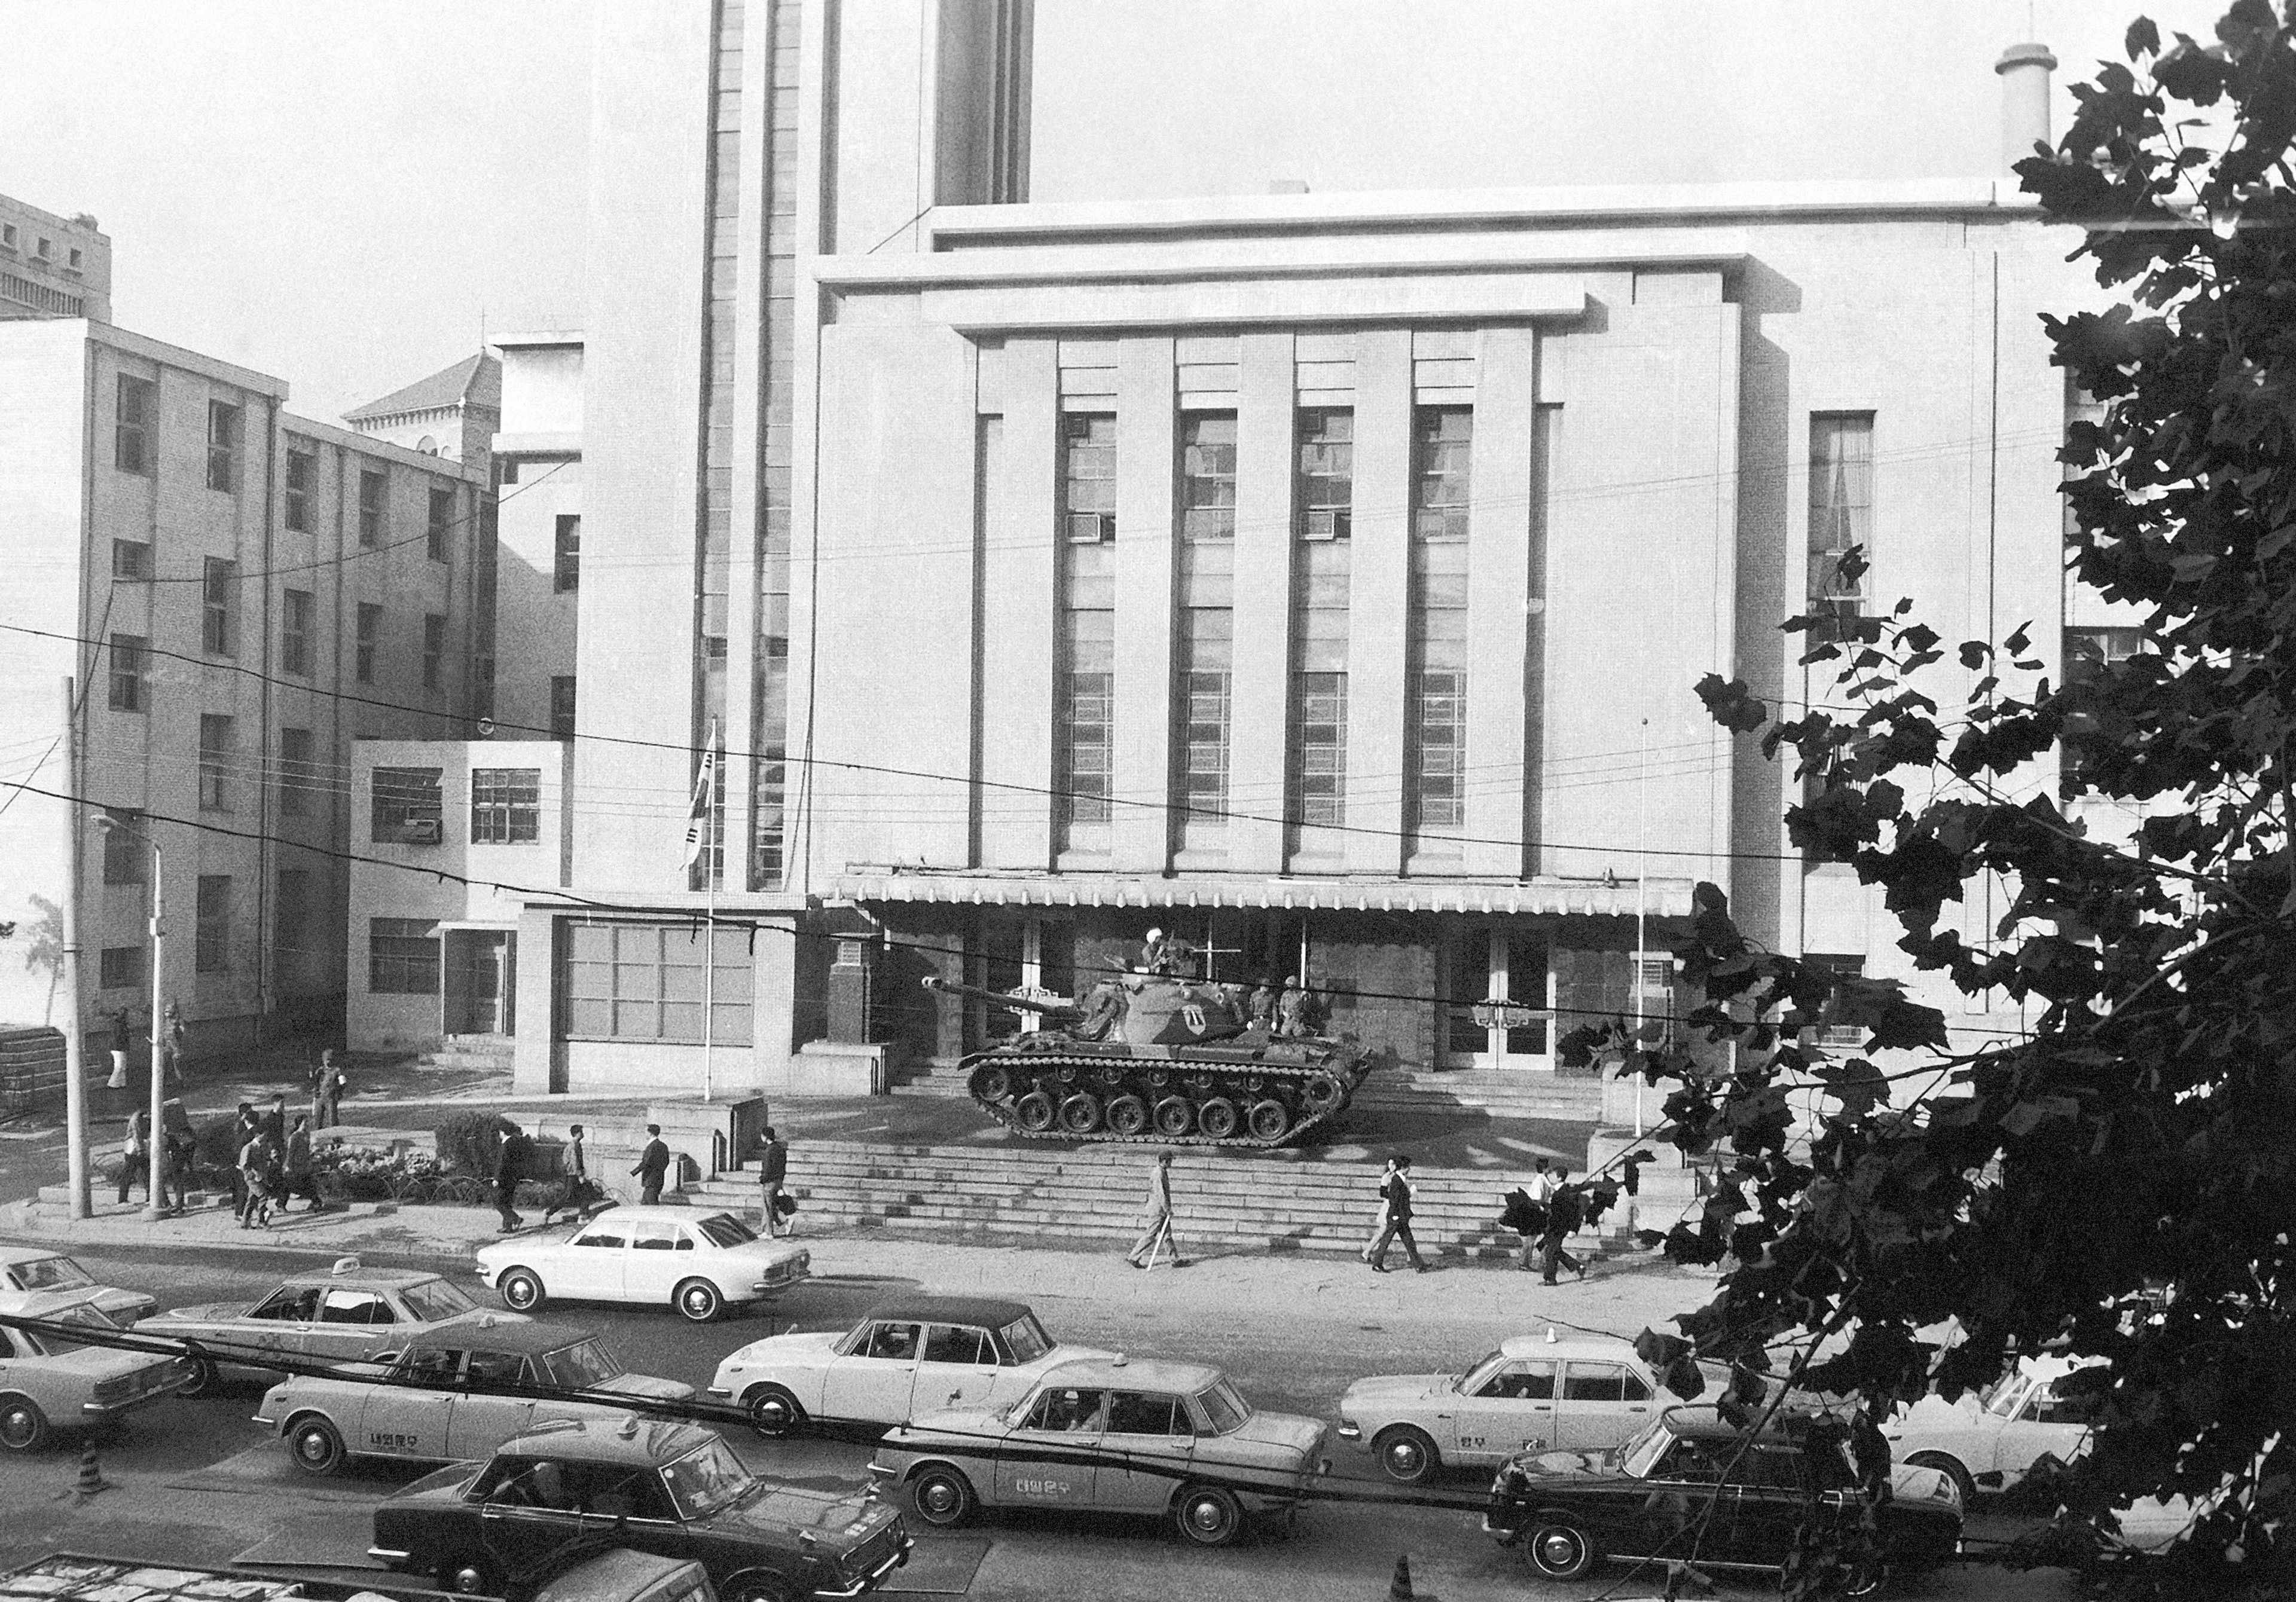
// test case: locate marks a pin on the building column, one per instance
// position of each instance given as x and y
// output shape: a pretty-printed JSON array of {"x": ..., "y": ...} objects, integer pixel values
[
  {"x": 1260, "y": 681},
  {"x": 1019, "y": 622},
  {"x": 1379, "y": 603},
  {"x": 1499, "y": 544},
  {"x": 1140, "y": 835}
]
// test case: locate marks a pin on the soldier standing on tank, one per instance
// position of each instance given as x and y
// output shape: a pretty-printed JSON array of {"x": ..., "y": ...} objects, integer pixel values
[
  {"x": 1289, "y": 1007},
  {"x": 1102, "y": 1009},
  {"x": 1263, "y": 1005},
  {"x": 1154, "y": 953}
]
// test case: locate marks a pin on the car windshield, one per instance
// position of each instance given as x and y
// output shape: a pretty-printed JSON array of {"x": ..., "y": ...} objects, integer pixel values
[
  {"x": 436, "y": 1299},
  {"x": 2002, "y": 1396},
  {"x": 723, "y": 1229},
  {"x": 1025, "y": 1338},
  {"x": 1640, "y": 1455},
  {"x": 53, "y": 1345},
  {"x": 1471, "y": 1383},
  {"x": 50, "y": 1273},
  {"x": 706, "y": 1479},
  {"x": 1224, "y": 1409},
  {"x": 580, "y": 1366}
]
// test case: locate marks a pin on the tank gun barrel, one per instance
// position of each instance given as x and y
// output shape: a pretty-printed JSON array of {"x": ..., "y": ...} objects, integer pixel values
[{"x": 997, "y": 997}]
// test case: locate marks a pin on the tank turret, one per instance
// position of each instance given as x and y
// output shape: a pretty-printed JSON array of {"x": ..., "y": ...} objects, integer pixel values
[{"x": 1157, "y": 1057}]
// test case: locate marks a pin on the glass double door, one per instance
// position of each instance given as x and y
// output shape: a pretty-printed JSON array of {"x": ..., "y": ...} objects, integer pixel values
[{"x": 1495, "y": 963}]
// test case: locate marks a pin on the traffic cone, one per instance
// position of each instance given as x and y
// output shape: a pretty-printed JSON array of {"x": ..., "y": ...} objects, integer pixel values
[
  {"x": 1400, "y": 1589},
  {"x": 91, "y": 1479}
]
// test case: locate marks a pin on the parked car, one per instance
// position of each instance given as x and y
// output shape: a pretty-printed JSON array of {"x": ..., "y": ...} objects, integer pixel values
[
  {"x": 1569, "y": 1511},
  {"x": 435, "y": 1407},
  {"x": 916, "y": 1352},
  {"x": 2005, "y": 1428},
  {"x": 1530, "y": 1395},
  {"x": 699, "y": 1263},
  {"x": 345, "y": 1314},
  {"x": 50, "y": 1382},
  {"x": 572, "y": 1486},
  {"x": 35, "y": 1268},
  {"x": 1172, "y": 1439}
]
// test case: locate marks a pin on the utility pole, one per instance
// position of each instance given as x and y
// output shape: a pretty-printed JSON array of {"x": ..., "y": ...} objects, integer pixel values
[{"x": 74, "y": 1040}]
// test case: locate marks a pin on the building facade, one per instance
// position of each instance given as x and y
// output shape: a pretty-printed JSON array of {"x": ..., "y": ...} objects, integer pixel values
[
  {"x": 51, "y": 265},
  {"x": 453, "y": 413},
  {"x": 538, "y": 457}
]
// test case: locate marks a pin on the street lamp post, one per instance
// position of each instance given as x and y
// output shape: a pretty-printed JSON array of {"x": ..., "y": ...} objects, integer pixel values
[{"x": 155, "y": 1143}]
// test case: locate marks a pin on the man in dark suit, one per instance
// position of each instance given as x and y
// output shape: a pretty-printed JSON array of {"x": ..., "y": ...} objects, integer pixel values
[
  {"x": 653, "y": 1167},
  {"x": 1398, "y": 1220},
  {"x": 773, "y": 1168},
  {"x": 509, "y": 1167}
]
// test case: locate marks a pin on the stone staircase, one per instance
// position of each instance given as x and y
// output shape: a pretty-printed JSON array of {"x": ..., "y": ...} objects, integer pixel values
[
  {"x": 1264, "y": 1202},
  {"x": 483, "y": 1053},
  {"x": 1495, "y": 1095}
]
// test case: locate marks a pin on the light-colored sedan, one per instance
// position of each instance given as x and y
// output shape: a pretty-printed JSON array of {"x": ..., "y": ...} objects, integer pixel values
[
  {"x": 436, "y": 1408},
  {"x": 699, "y": 1263},
  {"x": 50, "y": 1382},
  {"x": 1171, "y": 1440},
  {"x": 35, "y": 1268},
  {"x": 1530, "y": 1395},
  {"x": 917, "y": 1353},
  {"x": 345, "y": 1314},
  {"x": 2005, "y": 1428}
]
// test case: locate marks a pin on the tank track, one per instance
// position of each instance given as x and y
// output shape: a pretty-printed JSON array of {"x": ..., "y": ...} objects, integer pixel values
[{"x": 1347, "y": 1065}]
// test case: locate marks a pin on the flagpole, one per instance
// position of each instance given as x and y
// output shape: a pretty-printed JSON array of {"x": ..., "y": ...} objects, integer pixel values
[{"x": 710, "y": 934}]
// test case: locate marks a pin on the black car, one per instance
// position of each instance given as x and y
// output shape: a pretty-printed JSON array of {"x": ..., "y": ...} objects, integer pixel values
[
  {"x": 573, "y": 1488},
  {"x": 1684, "y": 1489}
]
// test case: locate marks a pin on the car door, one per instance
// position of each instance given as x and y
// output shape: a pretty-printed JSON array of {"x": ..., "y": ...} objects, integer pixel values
[
  {"x": 1048, "y": 1460},
  {"x": 1684, "y": 1508},
  {"x": 652, "y": 1266},
  {"x": 353, "y": 1324},
  {"x": 958, "y": 1368},
  {"x": 531, "y": 1515},
  {"x": 280, "y": 1324},
  {"x": 2046, "y": 1424},
  {"x": 1773, "y": 1489},
  {"x": 480, "y": 1421},
  {"x": 1513, "y": 1410},
  {"x": 412, "y": 1418},
  {"x": 1603, "y": 1404},
  {"x": 874, "y": 1379},
  {"x": 1151, "y": 1443},
  {"x": 590, "y": 1264}
]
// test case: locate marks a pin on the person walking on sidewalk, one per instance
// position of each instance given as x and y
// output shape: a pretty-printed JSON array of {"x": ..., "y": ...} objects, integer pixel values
[
  {"x": 179, "y": 1149},
  {"x": 299, "y": 1173},
  {"x": 1564, "y": 1212},
  {"x": 255, "y": 1160},
  {"x": 1399, "y": 1221},
  {"x": 171, "y": 1050},
  {"x": 244, "y": 1127},
  {"x": 653, "y": 1167},
  {"x": 574, "y": 1167},
  {"x": 123, "y": 1041},
  {"x": 136, "y": 1155},
  {"x": 1541, "y": 1192},
  {"x": 773, "y": 1170},
  {"x": 509, "y": 1167},
  {"x": 1156, "y": 1216},
  {"x": 1379, "y": 1218},
  {"x": 274, "y": 1121}
]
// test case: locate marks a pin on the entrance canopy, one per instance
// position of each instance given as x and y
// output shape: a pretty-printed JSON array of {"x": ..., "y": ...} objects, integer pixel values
[{"x": 1661, "y": 898}]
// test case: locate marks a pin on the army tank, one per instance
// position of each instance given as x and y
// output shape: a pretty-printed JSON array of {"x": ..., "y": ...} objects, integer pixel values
[{"x": 1155, "y": 1058}]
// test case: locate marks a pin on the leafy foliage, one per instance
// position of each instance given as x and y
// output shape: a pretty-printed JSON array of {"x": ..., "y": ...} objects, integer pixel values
[
  {"x": 468, "y": 1142},
  {"x": 2038, "y": 1189}
]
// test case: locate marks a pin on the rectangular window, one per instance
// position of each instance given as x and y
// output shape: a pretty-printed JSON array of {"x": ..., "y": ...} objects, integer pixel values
[
  {"x": 1443, "y": 443},
  {"x": 1208, "y": 476},
  {"x": 506, "y": 806},
  {"x": 131, "y": 430},
  {"x": 216, "y": 741},
  {"x": 295, "y": 772},
  {"x": 302, "y": 473},
  {"x": 1837, "y": 966},
  {"x": 1085, "y": 691},
  {"x": 223, "y": 446},
  {"x": 370, "y": 507},
  {"x": 1088, "y": 477},
  {"x": 130, "y": 691},
  {"x": 1320, "y": 768},
  {"x": 219, "y": 607},
  {"x": 124, "y": 848},
  {"x": 1435, "y": 795},
  {"x": 561, "y": 706},
  {"x": 1327, "y": 472},
  {"x": 434, "y": 649},
  {"x": 292, "y": 920},
  {"x": 212, "y": 936},
  {"x": 2088, "y": 653},
  {"x": 1439, "y": 769},
  {"x": 1206, "y": 658},
  {"x": 434, "y": 530},
  {"x": 566, "y": 555},
  {"x": 1322, "y": 569},
  {"x": 123, "y": 968},
  {"x": 407, "y": 806},
  {"x": 131, "y": 559},
  {"x": 1841, "y": 510},
  {"x": 296, "y": 612},
  {"x": 402, "y": 957},
  {"x": 369, "y": 630},
  {"x": 639, "y": 981}
]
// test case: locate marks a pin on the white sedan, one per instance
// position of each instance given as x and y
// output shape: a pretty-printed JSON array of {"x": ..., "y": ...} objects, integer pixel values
[
  {"x": 916, "y": 1354},
  {"x": 2004, "y": 1429},
  {"x": 35, "y": 1268},
  {"x": 699, "y": 1263}
]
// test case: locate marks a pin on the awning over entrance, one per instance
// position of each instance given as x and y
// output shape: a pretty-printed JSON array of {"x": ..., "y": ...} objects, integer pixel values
[{"x": 1662, "y": 898}]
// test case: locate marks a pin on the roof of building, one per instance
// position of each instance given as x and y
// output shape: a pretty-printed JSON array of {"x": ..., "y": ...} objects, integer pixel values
[
  {"x": 988, "y": 1311},
  {"x": 475, "y": 380},
  {"x": 1132, "y": 1374}
]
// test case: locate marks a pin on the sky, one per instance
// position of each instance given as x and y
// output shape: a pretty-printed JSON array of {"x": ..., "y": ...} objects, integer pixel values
[{"x": 343, "y": 194}]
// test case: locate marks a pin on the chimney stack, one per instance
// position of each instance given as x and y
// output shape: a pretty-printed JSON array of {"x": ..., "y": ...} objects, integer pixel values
[{"x": 2024, "y": 71}]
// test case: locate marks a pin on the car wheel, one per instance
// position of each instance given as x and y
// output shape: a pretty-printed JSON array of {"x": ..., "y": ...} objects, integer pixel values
[
  {"x": 756, "y": 1587},
  {"x": 1208, "y": 1516},
  {"x": 23, "y": 1427},
  {"x": 1866, "y": 1579},
  {"x": 1407, "y": 1455},
  {"x": 1558, "y": 1549},
  {"x": 203, "y": 1379},
  {"x": 774, "y": 1412},
  {"x": 469, "y": 1576},
  {"x": 943, "y": 1498},
  {"x": 1951, "y": 1466},
  {"x": 697, "y": 1300},
  {"x": 316, "y": 1445},
  {"x": 520, "y": 1291}
]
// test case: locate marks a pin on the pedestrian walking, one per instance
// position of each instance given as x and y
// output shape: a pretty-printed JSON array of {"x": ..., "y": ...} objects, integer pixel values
[
  {"x": 773, "y": 1170},
  {"x": 1399, "y": 1221},
  {"x": 300, "y": 1172},
  {"x": 123, "y": 1041},
  {"x": 1379, "y": 1215},
  {"x": 574, "y": 1167},
  {"x": 511, "y": 1161},
  {"x": 327, "y": 1093},
  {"x": 1155, "y": 1217},
  {"x": 1540, "y": 1193},
  {"x": 136, "y": 1155},
  {"x": 653, "y": 1167},
  {"x": 171, "y": 1050},
  {"x": 255, "y": 1180},
  {"x": 274, "y": 1121},
  {"x": 244, "y": 1127},
  {"x": 179, "y": 1148},
  {"x": 1564, "y": 1212}
]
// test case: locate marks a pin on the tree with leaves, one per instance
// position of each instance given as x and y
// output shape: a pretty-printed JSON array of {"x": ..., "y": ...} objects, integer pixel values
[
  {"x": 2041, "y": 1190},
  {"x": 46, "y": 950}
]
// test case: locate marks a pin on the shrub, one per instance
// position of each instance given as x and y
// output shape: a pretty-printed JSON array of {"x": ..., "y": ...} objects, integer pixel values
[{"x": 468, "y": 1141}]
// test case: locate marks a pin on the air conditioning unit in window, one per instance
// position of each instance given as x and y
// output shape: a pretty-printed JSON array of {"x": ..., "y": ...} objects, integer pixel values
[
  {"x": 419, "y": 831},
  {"x": 1326, "y": 526},
  {"x": 1091, "y": 527}
]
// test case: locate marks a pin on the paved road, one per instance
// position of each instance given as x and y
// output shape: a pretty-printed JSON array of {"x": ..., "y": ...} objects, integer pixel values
[{"x": 199, "y": 1481}]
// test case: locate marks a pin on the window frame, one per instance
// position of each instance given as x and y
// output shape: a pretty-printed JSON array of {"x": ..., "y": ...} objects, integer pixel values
[
  {"x": 110, "y": 962},
  {"x": 373, "y": 512},
  {"x": 133, "y": 430},
  {"x": 129, "y": 677},
  {"x": 367, "y": 624},
  {"x": 299, "y": 612},
  {"x": 219, "y": 742},
  {"x": 219, "y": 607},
  {"x": 434, "y": 651},
  {"x": 615, "y": 983},
  {"x": 295, "y": 769},
  {"x": 566, "y": 554},
  {"x": 1825, "y": 591},
  {"x": 301, "y": 472},
  {"x": 438, "y": 518},
  {"x": 211, "y": 924},
  {"x": 400, "y": 962},
  {"x": 505, "y": 807},
  {"x": 1314, "y": 447},
  {"x": 401, "y": 801},
  {"x": 562, "y": 690},
  {"x": 223, "y": 437}
]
